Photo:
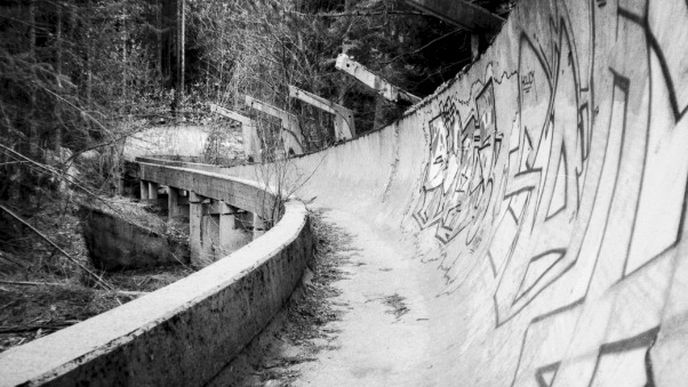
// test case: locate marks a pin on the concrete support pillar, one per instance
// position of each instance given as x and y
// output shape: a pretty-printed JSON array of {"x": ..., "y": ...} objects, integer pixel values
[
  {"x": 210, "y": 236},
  {"x": 195, "y": 229},
  {"x": 152, "y": 191},
  {"x": 173, "y": 207},
  {"x": 258, "y": 226},
  {"x": 231, "y": 236},
  {"x": 144, "y": 189}
]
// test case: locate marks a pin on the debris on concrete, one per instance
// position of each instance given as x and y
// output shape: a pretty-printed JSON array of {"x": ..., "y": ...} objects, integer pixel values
[
  {"x": 397, "y": 305},
  {"x": 299, "y": 332}
]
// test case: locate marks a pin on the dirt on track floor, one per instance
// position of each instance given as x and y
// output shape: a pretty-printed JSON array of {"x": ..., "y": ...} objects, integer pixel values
[{"x": 301, "y": 331}]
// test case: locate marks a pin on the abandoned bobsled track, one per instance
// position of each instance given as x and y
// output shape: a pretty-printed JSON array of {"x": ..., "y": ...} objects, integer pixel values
[{"x": 531, "y": 215}]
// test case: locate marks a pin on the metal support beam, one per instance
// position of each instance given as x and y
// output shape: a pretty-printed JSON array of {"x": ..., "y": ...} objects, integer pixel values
[
  {"x": 291, "y": 135},
  {"x": 249, "y": 131},
  {"x": 461, "y": 13},
  {"x": 344, "y": 127},
  {"x": 375, "y": 82}
]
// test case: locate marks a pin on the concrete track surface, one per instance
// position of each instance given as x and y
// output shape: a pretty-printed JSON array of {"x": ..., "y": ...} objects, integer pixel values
[{"x": 530, "y": 216}]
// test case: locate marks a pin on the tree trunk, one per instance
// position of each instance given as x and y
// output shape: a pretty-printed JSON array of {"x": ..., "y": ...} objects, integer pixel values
[
  {"x": 158, "y": 34},
  {"x": 58, "y": 69},
  {"x": 89, "y": 64},
  {"x": 33, "y": 132},
  {"x": 180, "y": 47},
  {"x": 125, "y": 65}
]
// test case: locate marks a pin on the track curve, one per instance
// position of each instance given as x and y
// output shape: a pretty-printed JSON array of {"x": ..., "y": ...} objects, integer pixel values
[{"x": 537, "y": 203}]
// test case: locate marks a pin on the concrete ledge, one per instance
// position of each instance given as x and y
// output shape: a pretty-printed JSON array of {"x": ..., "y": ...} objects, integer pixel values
[
  {"x": 176, "y": 161},
  {"x": 244, "y": 194},
  {"x": 182, "y": 334}
]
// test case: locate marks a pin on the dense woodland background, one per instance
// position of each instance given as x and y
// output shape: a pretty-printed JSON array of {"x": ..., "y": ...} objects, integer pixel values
[{"x": 78, "y": 77}]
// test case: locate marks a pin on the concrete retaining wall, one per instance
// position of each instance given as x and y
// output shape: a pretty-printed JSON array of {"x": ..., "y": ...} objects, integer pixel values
[
  {"x": 182, "y": 334},
  {"x": 116, "y": 243}
]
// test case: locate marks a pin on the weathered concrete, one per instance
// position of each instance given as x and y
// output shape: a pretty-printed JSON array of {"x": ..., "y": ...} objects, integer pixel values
[
  {"x": 534, "y": 209},
  {"x": 258, "y": 226},
  {"x": 373, "y": 81},
  {"x": 115, "y": 243},
  {"x": 542, "y": 194},
  {"x": 240, "y": 193},
  {"x": 249, "y": 132},
  {"x": 231, "y": 237},
  {"x": 174, "y": 208},
  {"x": 184, "y": 333},
  {"x": 186, "y": 140},
  {"x": 199, "y": 256},
  {"x": 344, "y": 124},
  {"x": 153, "y": 191},
  {"x": 291, "y": 136},
  {"x": 143, "y": 190}
]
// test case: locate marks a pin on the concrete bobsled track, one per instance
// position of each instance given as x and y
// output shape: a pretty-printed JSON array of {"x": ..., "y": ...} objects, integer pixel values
[
  {"x": 530, "y": 215},
  {"x": 532, "y": 211}
]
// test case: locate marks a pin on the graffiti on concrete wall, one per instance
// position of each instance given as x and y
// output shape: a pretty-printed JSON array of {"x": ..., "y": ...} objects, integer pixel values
[
  {"x": 459, "y": 179},
  {"x": 578, "y": 206}
]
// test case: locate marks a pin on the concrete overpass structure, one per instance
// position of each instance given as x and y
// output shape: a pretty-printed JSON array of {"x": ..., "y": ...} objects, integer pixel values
[{"x": 532, "y": 213}]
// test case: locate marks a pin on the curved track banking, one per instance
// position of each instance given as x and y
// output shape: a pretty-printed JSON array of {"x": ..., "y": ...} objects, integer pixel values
[
  {"x": 530, "y": 215},
  {"x": 533, "y": 210}
]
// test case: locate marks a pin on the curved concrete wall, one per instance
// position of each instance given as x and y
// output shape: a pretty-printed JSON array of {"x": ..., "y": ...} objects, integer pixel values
[
  {"x": 548, "y": 185},
  {"x": 185, "y": 333}
]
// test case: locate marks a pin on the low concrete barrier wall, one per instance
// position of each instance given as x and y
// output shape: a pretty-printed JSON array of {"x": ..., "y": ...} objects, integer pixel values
[
  {"x": 182, "y": 334},
  {"x": 116, "y": 243}
]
